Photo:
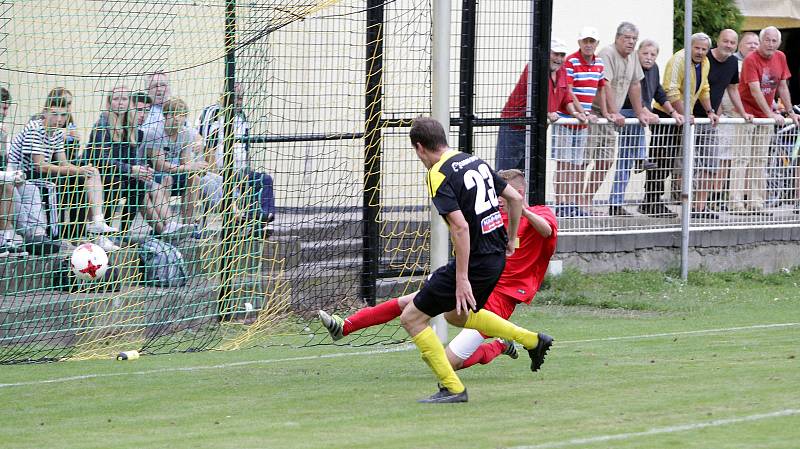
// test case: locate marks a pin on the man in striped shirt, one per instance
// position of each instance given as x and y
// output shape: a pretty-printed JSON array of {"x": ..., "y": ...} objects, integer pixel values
[
  {"x": 261, "y": 201},
  {"x": 585, "y": 78},
  {"x": 38, "y": 151}
]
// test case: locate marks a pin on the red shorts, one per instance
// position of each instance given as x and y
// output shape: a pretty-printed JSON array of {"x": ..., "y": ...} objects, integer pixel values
[{"x": 501, "y": 304}]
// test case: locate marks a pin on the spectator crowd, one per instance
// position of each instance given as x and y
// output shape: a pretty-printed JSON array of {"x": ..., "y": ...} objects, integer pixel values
[
  {"x": 142, "y": 157},
  {"x": 743, "y": 77}
]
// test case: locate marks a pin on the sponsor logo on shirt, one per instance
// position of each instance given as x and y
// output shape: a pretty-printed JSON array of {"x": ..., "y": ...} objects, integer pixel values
[
  {"x": 461, "y": 164},
  {"x": 491, "y": 223}
]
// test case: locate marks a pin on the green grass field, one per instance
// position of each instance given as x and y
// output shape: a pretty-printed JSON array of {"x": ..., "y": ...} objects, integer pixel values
[{"x": 640, "y": 361}]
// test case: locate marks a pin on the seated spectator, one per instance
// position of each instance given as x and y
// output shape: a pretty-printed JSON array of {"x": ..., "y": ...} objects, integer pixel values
[
  {"x": 158, "y": 91},
  {"x": 260, "y": 200},
  {"x": 117, "y": 139},
  {"x": 38, "y": 151},
  {"x": 176, "y": 154},
  {"x": 10, "y": 241}
]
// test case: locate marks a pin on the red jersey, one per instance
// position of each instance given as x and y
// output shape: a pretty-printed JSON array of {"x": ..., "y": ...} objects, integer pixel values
[
  {"x": 526, "y": 268},
  {"x": 768, "y": 73}
]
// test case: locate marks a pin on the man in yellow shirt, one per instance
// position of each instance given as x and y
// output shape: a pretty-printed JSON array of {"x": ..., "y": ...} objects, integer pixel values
[{"x": 666, "y": 149}]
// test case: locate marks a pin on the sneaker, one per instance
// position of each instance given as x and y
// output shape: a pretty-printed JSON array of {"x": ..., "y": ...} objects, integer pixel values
[
  {"x": 537, "y": 354},
  {"x": 564, "y": 211},
  {"x": 14, "y": 245},
  {"x": 658, "y": 210},
  {"x": 444, "y": 396},
  {"x": 618, "y": 211},
  {"x": 99, "y": 227},
  {"x": 105, "y": 243},
  {"x": 704, "y": 215},
  {"x": 510, "y": 348},
  {"x": 334, "y": 324},
  {"x": 579, "y": 212}
]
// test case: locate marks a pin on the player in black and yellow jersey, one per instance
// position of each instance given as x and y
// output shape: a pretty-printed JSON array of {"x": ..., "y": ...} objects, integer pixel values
[{"x": 464, "y": 191}]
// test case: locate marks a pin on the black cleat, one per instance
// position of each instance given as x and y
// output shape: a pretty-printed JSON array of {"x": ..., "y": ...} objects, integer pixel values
[
  {"x": 334, "y": 324},
  {"x": 510, "y": 348},
  {"x": 537, "y": 354},
  {"x": 445, "y": 396}
]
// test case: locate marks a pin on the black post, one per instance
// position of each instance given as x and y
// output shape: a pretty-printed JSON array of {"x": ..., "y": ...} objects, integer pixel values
[
  {"x": 228, "y": 225},
  {"x": 373, "y": 110},
  {"x": 466, "y": 85},
  {"x": 540, "y": 63}
]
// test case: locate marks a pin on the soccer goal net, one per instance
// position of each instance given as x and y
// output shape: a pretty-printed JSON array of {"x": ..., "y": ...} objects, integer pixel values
[{"x": 236, "y": 165}]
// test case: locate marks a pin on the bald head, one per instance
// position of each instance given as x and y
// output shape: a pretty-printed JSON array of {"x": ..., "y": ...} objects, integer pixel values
[{"x": 726, "y": 43}]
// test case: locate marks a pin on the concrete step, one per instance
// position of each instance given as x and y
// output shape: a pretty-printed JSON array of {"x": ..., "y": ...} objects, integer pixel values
[
  {"x": 395, "y": 287},
  {"x": 143, "y": 312}
]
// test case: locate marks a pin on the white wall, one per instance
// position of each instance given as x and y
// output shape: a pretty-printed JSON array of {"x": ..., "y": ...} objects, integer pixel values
[{"x": 653, "y": 17}]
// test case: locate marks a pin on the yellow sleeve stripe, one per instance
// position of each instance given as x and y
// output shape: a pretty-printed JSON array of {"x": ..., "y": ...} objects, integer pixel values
[{"x": 435, "y": 176}]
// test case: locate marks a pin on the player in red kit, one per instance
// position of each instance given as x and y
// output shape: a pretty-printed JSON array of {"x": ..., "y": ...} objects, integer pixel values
[{"x": 519, "y": 282}]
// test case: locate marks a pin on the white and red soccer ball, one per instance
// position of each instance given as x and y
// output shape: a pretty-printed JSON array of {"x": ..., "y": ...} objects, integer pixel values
[{"x": 89, "y": 262}]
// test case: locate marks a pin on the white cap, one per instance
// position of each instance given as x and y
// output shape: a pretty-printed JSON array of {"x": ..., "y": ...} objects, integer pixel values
[
  {"x": 589, "y": 32},
  {"x": 556, "y": 46}
]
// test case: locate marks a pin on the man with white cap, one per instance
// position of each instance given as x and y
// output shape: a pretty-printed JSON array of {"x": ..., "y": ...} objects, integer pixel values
[
  {"x": 585, "y": 78},
  {"x": 511, "y": 138}
]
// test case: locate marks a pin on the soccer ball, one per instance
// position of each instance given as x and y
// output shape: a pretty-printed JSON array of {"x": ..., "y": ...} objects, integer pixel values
[{"x": 89, "y": 262}]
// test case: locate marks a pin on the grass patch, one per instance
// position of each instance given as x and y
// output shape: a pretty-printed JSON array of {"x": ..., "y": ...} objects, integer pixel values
[{"x": 721, "y": 347}]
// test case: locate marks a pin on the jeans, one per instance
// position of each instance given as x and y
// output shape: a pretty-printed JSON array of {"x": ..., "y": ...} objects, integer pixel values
[
  {"x": 262, "y": 201},
  {"x": 510, "y": 152},
  {"x": 631, "y": 148}
]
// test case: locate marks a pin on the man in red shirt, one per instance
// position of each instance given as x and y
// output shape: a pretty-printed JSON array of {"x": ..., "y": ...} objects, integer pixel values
[
  {"x": 521, "y": 278},
  {"x": 511, "y": 138},
  {"x": 764, "y": 72}
]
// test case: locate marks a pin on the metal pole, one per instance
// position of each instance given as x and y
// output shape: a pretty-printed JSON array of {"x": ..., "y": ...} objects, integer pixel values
[
  {"x": 228, "y": 225},
  {"x": 440, "y": 110},
  {"x": 536, "y": 134},
  {"x": 373, "y": 112},
  {"x": 688, "y": 89},
  {"x": 466, "y": 85}
]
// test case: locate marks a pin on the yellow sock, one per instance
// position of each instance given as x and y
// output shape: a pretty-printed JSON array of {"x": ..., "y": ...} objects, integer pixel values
[
  {"x": 433, "y": 354},
  {"x": 492, "y": 325}
]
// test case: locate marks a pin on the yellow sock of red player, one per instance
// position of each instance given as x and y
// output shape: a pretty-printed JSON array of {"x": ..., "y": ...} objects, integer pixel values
[
  {"x": 370, "y": 316},
  {"x": 485, "y": 353},
  {"x": 433, "y": 354},
  {"x": 492, "y": 325}
]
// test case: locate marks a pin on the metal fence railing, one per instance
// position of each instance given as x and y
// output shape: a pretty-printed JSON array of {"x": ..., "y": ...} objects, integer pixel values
[{"x": 604, "y": 178}]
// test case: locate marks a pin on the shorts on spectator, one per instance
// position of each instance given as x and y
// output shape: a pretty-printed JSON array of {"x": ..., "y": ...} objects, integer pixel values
[
  {"x": 727, "y": 138},
  {"x": 707, "y": 148},
  {"x": 601, "y": 142},
  {"x": 569, "y": 144}
]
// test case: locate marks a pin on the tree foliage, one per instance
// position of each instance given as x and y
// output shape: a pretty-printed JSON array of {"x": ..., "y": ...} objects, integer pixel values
[{"x": 708, "y": 16}]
